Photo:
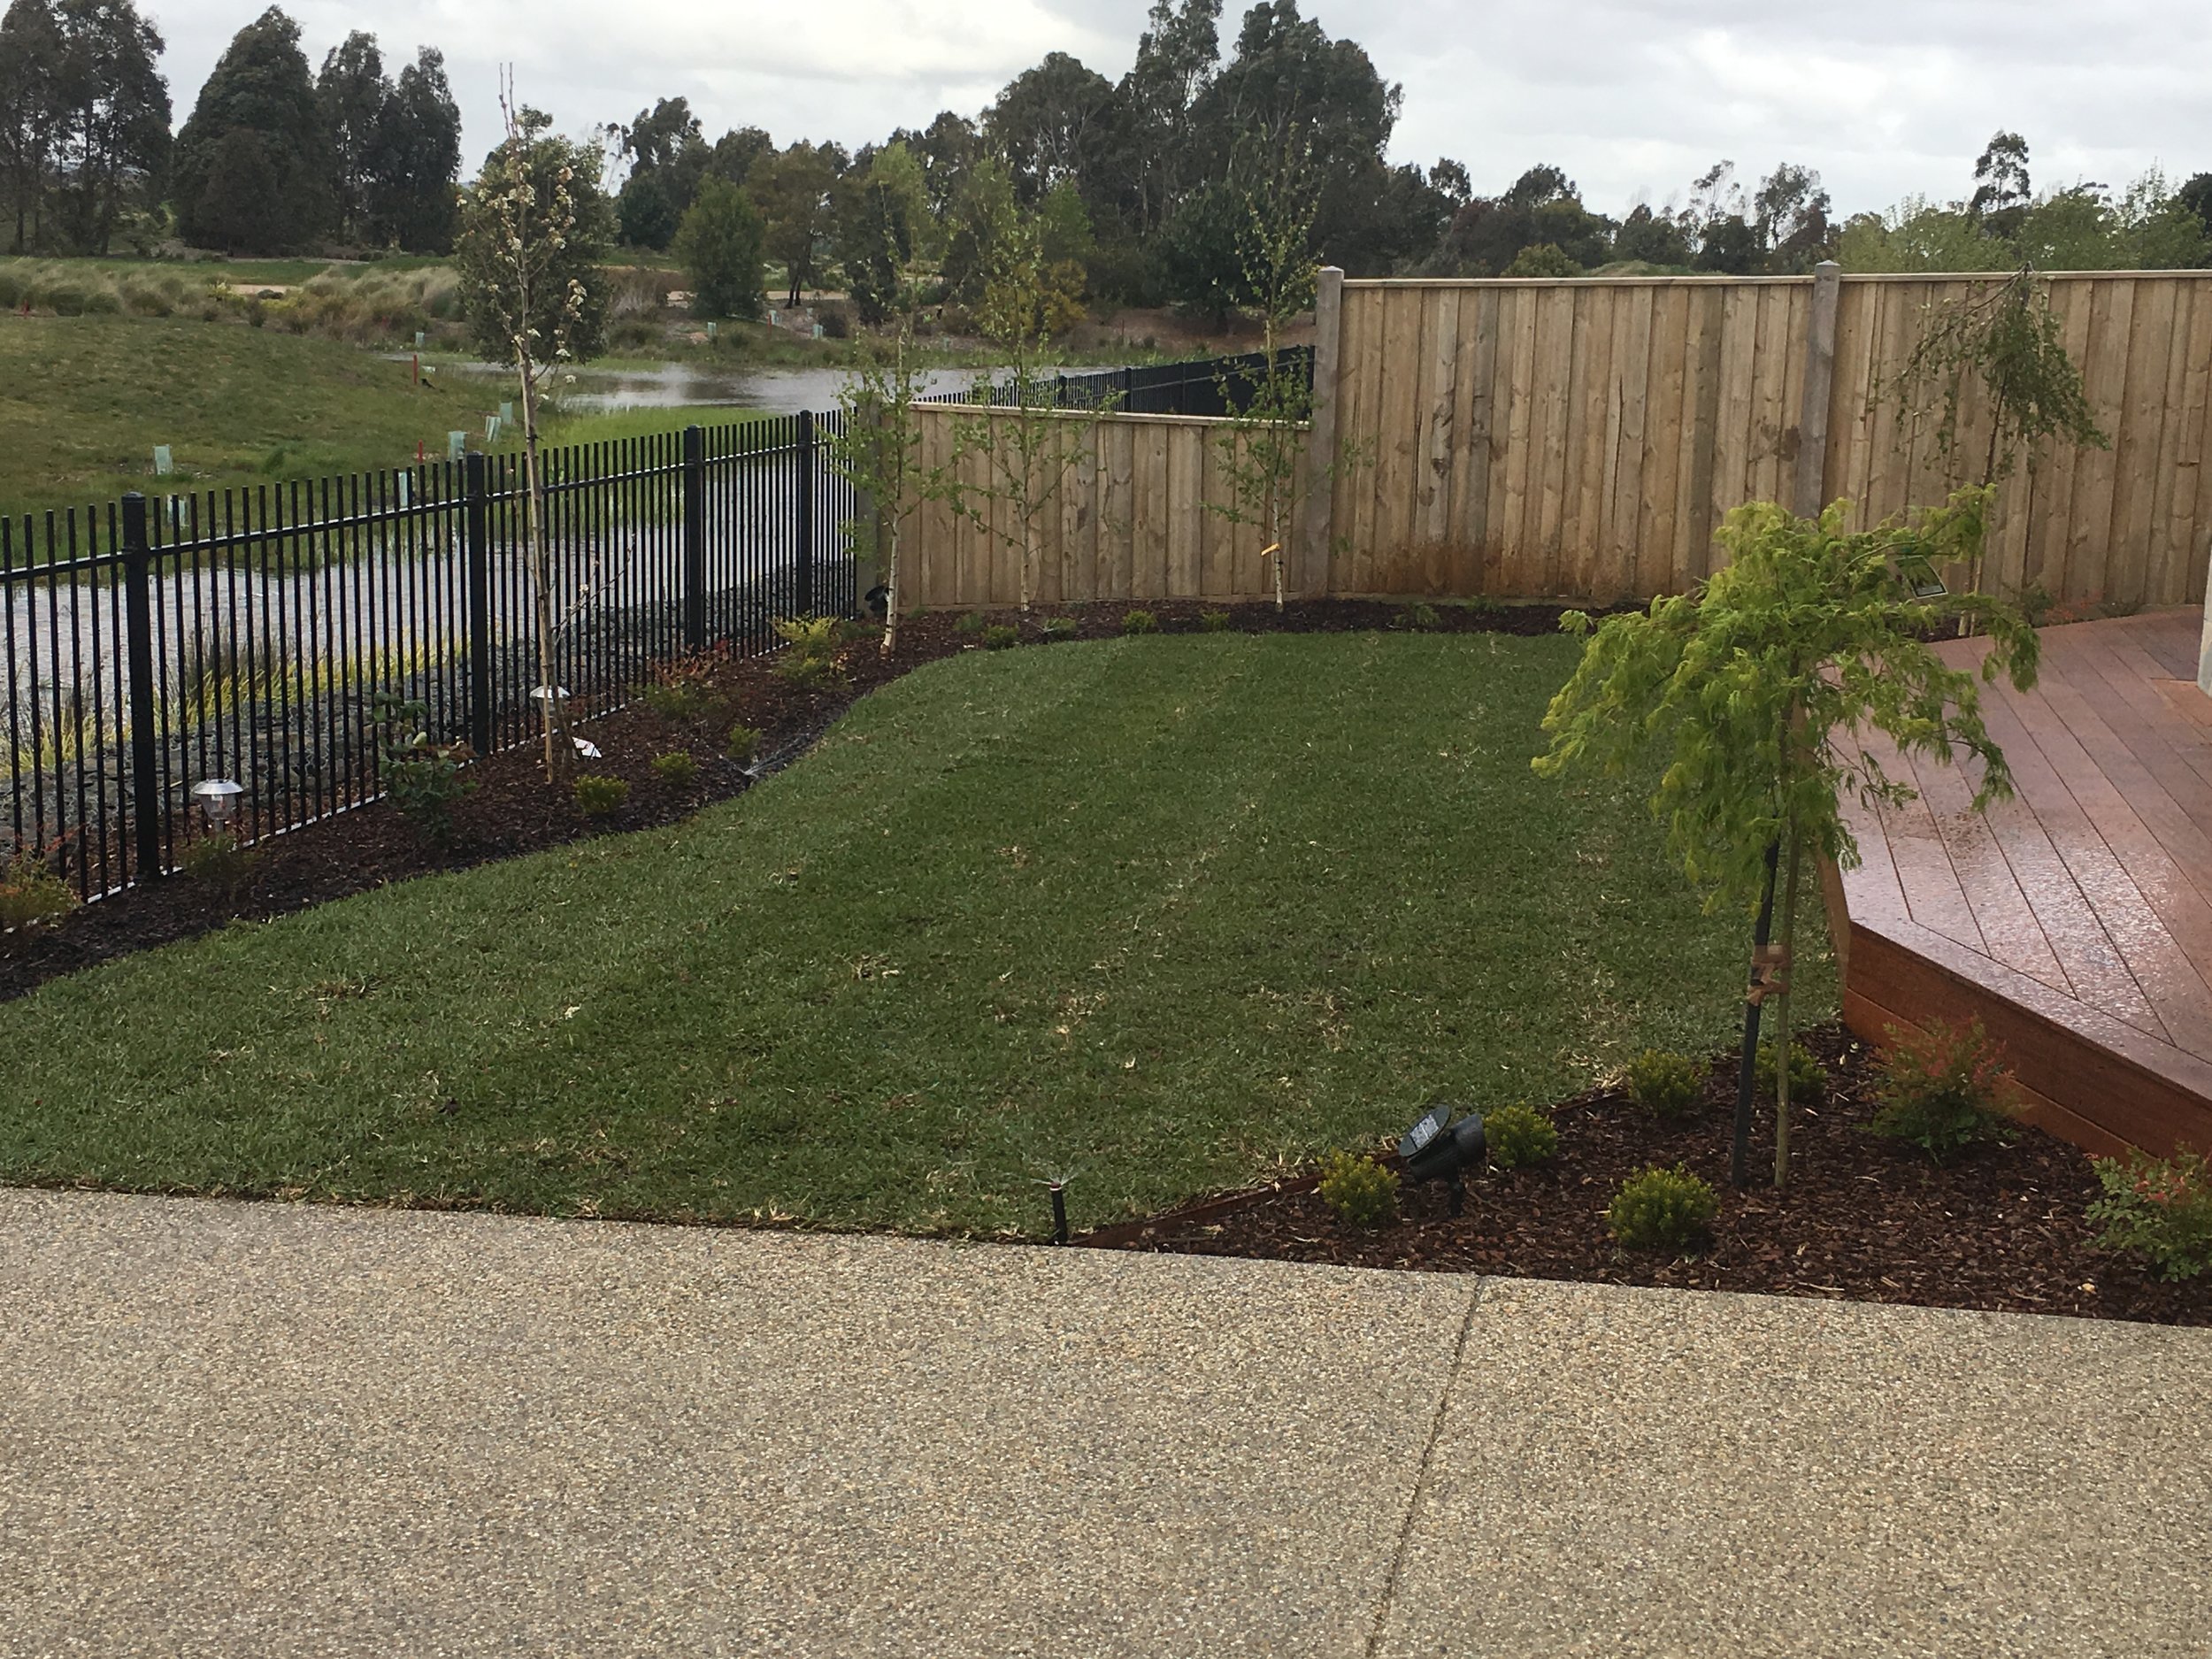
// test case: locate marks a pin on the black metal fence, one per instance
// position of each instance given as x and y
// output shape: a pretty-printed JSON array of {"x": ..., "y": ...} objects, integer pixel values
[
  {"x": 151, "y": 644},
  {"x": 1211, "y": 386},
  {"x": 247, "y": 634}
]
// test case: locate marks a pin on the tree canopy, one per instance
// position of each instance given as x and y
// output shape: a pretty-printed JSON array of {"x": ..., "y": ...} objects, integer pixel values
[{"x": 253, "y": 162}]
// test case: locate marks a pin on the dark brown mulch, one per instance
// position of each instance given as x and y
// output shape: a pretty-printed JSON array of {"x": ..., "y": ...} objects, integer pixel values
[
  {"x": 512, "y": 810},
  {"x": 1864, "y": 1217}
]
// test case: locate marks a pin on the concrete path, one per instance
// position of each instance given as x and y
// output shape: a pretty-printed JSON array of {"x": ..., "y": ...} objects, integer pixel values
[{"x": 235, "y": 1430}]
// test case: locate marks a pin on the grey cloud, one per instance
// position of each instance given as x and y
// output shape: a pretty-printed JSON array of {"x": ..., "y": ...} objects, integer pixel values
[{"x": 1886, "y": 98}]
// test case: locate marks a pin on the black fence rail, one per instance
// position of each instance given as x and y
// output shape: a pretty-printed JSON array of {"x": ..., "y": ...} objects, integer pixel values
[
  {"x": 1211, "y": 386},
  {"x": 149, "y": 645}
]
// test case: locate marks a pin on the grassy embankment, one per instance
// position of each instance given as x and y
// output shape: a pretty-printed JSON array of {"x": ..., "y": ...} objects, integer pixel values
[
  {"x": 1160, "y": 914},
  {"x": 84, "y": 400}
]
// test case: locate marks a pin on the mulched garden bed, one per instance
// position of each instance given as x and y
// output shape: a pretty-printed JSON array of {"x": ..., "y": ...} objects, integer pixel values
[
  {"x": 1864, "y": 1217},
  {"x": 512, "y": 811}
]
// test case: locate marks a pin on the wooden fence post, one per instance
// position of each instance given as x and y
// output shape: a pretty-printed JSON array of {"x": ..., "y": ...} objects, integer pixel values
[
  {"x": 1820, "y": 379},
  {"x": 1310, "y": 569}
]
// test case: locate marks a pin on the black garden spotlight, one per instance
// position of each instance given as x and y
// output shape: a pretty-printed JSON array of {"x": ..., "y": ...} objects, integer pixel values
[{"x": 1437, "y": 1149}]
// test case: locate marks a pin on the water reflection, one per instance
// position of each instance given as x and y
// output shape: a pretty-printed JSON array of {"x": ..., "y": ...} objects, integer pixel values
[{"x": 778, "y": 391}]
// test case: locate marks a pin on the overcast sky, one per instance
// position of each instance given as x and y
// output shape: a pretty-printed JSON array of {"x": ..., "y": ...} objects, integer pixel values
[{"x": 1885, "y": 97}]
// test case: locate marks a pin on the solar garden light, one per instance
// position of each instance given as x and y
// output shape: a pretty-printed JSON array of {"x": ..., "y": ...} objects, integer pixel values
[
  {"x": 217, "y": 799},
  {"x": 1437, "y": 1149}
]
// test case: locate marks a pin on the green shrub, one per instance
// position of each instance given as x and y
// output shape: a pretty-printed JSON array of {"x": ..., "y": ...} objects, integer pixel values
[
  {"x": 1421, "y": 617},
  {"x": 1519, "y": 1136},
  {"x": 998, "y": 636},
  {"x": 743, "y": 743},
  {"x": 220, "y": 860},
  {"x": 598, "y": 795},
  {"x": 1662, "y": 1210},
  {"x": 1062, "y": 628},
  {"x": 1809, "y": 1078},
  {"x": 809, "y": 673},
  {"x": 809, "y": 657},
  {"x": 973, "y": 623},
  {"x": 32, "y": 896},
  {"x": 676, "y": 768},
  {"x": 1362, "y": 1192},
  {"x": 676, "y": 700},
  {"x": 1943, "y": 1089},
  {"x": 2159, "y": 1209},
  {"x": 424, "y": 780},
  {"x": 1664, "y": 1084},
  {"x": 1140, "y": 622},
  {"x": 1214, "y": 621}
]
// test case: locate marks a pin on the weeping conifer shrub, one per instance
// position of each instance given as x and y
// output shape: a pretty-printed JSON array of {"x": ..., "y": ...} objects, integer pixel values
[{"x": 1754, "y": 689}]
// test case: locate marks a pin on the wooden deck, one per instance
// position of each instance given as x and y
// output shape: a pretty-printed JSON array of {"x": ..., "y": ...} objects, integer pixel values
[{"x": 2075, "y": 921}]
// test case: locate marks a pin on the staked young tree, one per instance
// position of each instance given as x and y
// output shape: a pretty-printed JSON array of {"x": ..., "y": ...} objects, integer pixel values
[
  {"x": 252, "y": 165},
  {"x": 543, "y": 180},
  {"x": 532, "y": 229},
  {"x": 416, "y": 162},
  {"x": 1756, "y": 690},
  {"x": 351, "y": 92}
]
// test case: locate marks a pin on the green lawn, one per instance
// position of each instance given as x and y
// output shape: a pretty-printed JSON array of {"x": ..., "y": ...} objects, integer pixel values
[
  {"x": 1158, "y": 914},
  {"x": 84, "y": 400}
]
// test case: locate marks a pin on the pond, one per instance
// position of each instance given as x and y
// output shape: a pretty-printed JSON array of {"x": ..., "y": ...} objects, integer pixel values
[{"x": 778, "y": 391}]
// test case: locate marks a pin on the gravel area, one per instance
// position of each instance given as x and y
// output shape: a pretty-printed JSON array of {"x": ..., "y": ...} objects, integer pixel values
[{"x": 248, "y": 1429}]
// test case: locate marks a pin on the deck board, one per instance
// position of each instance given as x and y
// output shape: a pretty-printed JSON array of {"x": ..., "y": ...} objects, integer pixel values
[{"x": 2075, "y": 919}]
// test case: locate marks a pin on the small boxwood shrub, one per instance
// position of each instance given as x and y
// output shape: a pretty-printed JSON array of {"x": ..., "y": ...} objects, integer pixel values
[
  {"x": 999, "y": 636},
  {"x": 1519, "y": 1136},
  {"x": 1362, "y": 1192},
  {"x": 1809, "y": 1078},
  {"x": 1662, "y": 1210},
  {"x": 220, "y": 860},
  {"x": 1944, "y": 1088},
  {"x": 810, "y": 653},
  {"x": 676, "y": 768},
  {"x": 1664, "y": 1084},
  {"x": 1421, "y": 617},
  {"x": 2159, "y": 1209},
  {"x": 1140, "y": 622},
  {"x": 598, "y": 795},
  {"x": 1214, "y": 621},
  {"x": 1062, "y": 628},
  {"x": 973, "y": 623}
]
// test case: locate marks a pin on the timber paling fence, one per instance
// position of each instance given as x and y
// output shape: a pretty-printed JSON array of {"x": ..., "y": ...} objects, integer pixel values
[
  {"x": 246, "y": 634},
  {"x": 1583, "y": 438}
]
